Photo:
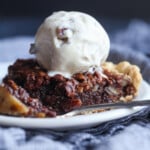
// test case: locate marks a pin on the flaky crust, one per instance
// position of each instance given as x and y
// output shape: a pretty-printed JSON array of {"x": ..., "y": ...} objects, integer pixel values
[
  {"x": 128, "y": 69},
  {"x": 11, "y": 105}
]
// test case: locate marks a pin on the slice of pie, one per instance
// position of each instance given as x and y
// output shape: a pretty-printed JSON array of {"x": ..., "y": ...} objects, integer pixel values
[{"x": 27, "y": 90}]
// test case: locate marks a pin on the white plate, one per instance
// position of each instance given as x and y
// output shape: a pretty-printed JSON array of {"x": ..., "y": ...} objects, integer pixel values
[{"x": 77, "y": 122}]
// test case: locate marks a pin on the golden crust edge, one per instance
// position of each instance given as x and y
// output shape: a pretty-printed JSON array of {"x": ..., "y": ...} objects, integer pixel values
[
  {"x": 10, "y": 105},
  {"x": 128, "y": 69}
]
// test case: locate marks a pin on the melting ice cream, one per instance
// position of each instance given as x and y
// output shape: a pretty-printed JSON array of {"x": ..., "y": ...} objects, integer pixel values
[{"x": 70, "y": 42}]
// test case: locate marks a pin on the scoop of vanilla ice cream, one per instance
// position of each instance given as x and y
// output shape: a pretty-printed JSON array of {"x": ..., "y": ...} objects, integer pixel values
[{"x": 69, "y": 42}]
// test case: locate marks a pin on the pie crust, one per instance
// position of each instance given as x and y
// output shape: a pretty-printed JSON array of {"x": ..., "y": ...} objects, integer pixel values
[
  {"x": 127, "y": 69},
  {"x": 11, "y": 105}
]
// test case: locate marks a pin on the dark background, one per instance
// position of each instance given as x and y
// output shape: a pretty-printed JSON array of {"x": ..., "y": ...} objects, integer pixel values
[
  {"x": 111, "y": 8},
  {"x": 22, "y": 17}
]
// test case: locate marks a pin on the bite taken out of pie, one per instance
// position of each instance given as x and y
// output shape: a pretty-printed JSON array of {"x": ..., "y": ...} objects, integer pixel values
[{"x": 69, "y": 71}]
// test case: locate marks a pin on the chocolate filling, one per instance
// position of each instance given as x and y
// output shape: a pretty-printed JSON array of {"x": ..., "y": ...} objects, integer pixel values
[{"x": 57, "y": 95}]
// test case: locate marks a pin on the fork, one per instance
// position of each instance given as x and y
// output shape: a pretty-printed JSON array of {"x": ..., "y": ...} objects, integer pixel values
[{"x": 102, "y": 107}]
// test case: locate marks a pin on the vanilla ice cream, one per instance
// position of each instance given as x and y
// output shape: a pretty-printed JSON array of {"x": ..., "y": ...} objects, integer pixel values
[{"x": 70, "y": 42}]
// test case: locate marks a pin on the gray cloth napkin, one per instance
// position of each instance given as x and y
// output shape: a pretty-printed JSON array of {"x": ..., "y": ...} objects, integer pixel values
[{"x": 128, "y": 133}]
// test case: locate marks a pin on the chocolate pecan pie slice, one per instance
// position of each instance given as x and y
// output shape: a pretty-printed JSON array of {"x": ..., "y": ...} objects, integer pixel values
[{"x": 29, "y": 91}]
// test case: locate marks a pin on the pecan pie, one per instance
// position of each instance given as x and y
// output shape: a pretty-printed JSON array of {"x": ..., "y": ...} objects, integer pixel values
[{"x": 27, "y": 90}]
